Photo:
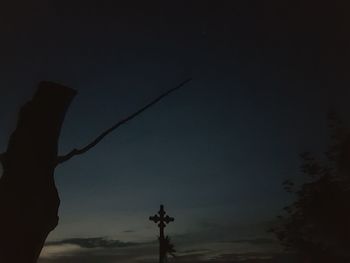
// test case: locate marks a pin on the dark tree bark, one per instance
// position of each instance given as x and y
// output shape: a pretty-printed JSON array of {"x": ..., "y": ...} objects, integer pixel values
[{"x": 28, "y": 196}]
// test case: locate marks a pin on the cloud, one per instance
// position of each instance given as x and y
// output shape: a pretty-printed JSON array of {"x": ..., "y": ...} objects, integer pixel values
[
  {"x": 128, "y": 231},
  {"x": 238, "y": 258},
  {"x": 101, "y": 249},
  {"x": 52, "y": 251},
  {"x": 95, "y": 242},
  {"x": 95, "y": 250},
  {"x": 254, "y": 241},
  {"x": 246, "y": 257}
]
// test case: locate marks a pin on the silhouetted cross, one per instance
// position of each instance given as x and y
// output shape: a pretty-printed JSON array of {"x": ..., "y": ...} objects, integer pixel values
[{"x": 162, "y": 221}]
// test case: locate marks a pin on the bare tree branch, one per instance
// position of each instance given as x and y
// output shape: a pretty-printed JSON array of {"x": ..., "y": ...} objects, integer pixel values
[{"x": 75, "y": 152}]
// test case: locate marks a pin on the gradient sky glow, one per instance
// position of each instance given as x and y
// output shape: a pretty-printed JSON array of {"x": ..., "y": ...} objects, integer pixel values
[{"x": 216, "y": 151}]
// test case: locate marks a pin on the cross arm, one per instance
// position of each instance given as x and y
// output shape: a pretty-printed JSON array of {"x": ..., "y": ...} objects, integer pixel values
[
  {"x": 154, "y": 218},
  {"x": 168, "y": 219}
]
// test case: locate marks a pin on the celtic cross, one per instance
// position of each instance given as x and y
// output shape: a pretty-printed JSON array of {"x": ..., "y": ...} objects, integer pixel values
[{"x": 162, "y": 219}]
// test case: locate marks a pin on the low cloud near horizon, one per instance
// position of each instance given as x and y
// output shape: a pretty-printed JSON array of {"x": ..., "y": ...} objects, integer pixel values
[{"x": 104, "y": 250}]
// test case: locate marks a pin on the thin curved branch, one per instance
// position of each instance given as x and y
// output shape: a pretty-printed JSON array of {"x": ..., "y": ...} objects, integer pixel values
[{"x": 92, "y": 144}]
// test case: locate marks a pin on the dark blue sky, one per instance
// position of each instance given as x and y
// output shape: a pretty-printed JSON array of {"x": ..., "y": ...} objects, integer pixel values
[{"x": 215, "y": 152}]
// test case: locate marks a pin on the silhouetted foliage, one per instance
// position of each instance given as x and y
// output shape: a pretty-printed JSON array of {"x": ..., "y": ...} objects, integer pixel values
[
  {"x": 169, "y": 247},
  {"x": 317, "y": 224}
]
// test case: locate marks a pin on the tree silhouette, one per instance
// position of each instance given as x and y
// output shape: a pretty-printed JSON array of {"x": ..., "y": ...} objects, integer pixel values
[
  {"x": 29, "y": 199},
  {"x": 169, "y": 248},
  {"x": 317, "y": 224}
]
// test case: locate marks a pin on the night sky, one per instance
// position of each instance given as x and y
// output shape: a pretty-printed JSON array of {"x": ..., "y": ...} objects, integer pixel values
[{"x": 264, "y": 75}]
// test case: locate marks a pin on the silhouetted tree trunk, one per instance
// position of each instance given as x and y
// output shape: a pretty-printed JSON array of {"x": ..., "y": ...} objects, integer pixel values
[{"x": 28, "y": 196}]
